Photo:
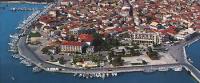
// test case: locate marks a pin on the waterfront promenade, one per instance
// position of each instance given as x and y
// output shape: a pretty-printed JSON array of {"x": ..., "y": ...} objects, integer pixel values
[{"x": 177, "y": 51}]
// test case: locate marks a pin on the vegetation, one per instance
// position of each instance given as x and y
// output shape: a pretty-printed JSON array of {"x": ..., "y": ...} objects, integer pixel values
[
  {"x": 51, "y": 58},
  {"x": 134, "y": 52},
  {"x": 92, "y": 57},
  {"x": 117, "y": 61},
  {"x": 152, "y": 54},
  {"x": 45, "y": 50},
  {"x": 61, "y": 60},
  {"x": 34, "y": 34}
]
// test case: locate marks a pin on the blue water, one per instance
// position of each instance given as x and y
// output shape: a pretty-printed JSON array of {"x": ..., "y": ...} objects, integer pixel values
[
  {"x": 193, "y": 52},
  {"x": 11, "y": 67}
]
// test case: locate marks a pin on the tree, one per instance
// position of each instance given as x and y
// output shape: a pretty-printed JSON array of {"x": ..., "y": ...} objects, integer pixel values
[
  {"x": 117, "y": 61},
  {"x": 51, "y": 58},
  {"x": 152, "y": 54},
  {"x": 45, "y": 50},
  {"x": 61, "y": 60}
]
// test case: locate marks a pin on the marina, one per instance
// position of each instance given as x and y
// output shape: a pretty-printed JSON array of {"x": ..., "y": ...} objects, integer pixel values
[
  {"x": 138, "y": 77},
  {"x": 95, "y": 75},
  {"x": 36, "y": 69}
]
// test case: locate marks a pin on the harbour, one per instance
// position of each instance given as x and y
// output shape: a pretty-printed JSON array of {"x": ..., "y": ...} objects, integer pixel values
[{"x": 97, "y": 75}]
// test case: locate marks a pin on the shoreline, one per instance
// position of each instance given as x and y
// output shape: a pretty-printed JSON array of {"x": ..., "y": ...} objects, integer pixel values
[
  {"x": 186, "y": 58},
  {"x": 21, "y": 2},
  {"x": 128, "y": 69}
]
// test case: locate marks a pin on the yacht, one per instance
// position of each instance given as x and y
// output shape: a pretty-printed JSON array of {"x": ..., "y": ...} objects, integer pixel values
[{"x": 36, "y": 69}]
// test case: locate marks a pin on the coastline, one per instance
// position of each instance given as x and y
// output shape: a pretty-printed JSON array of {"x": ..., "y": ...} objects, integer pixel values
[
  {"x": 14, "y": 68},
  {"x": 21, "y": 2},
  {"x": 129, "y": 69}
]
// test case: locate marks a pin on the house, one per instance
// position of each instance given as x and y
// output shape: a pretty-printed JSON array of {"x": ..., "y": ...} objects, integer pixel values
[
  {"x": 88, "y": 64},
  {"x": 71, "y": 46},
  {"x": 121, "y": 50},
  {"x": 86, "y": 38},
  {"x": 90, "y": 49},
  {"x": 74, "y": 31},
  {"x": 77, "y": 31},
  {"x": 46, "y": 19},
  {"x": 66, "y": 2},
  {"x": 182, "y": 35},
  {"x": 53, "y": 13}
]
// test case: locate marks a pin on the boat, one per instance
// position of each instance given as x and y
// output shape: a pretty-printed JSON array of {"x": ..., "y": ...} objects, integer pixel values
[
  {"x": 27, "y": 63},
  {"x": 148, "y": 70},
  {"x": 178, "y": 69},
  {"x": 190, "y": 60},
  {"x": 80, "y": 75},
  {"x": 75, "y": 74},
  {"x": 10, "y": 44},
  {"x": 19, "y": 27},
  {"x": 115, "y": 74},
  {"x": 103, "y": 76},
  {"x": 15, "y": 56},
  {"x": 14, "y": 36},
  {"x": 163, "y": 69},
  {"x": 107, "y": 74},
  {"x": 37, "y": 69}
]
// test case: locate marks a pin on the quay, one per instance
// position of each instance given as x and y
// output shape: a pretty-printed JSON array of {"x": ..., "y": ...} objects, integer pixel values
[
  {"x": 188, "y": 66},
  {"x": 177, "y": 51}
]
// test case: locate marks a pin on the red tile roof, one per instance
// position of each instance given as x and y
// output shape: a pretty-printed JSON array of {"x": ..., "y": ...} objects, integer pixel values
[
  {"x": 72, "y": 43},
  {"x": 86, "y": 37},
  {"x": 65, "y": 0},
  {"x": 172, "y": 27},
  {"x": 46, "y": 19}
]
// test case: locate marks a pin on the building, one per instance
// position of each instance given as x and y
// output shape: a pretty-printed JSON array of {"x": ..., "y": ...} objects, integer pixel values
[
  {"x": 71, "y": 46},
  {"x": 53, "y": 13},
  {"x": 46, "y": 20},
  {"x": 66, "y": 2},
  {"x": 34, "y": 37},
  {"x": 86, "y": 38},
  {"x": 77, "y": 31},
  {"x": 146, "y": 38},
  {"x": 184, "y": 34}
]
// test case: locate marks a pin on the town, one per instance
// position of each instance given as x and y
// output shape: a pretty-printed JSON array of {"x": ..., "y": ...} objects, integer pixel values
[
  {"x": 96, "y": 38},
  {"x": 102, "y": 33}
]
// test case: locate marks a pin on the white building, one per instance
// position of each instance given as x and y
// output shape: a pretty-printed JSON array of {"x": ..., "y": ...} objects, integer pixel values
[
  {"x": 182, "y": 35},
  {"x": 145, "y": 38}
]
